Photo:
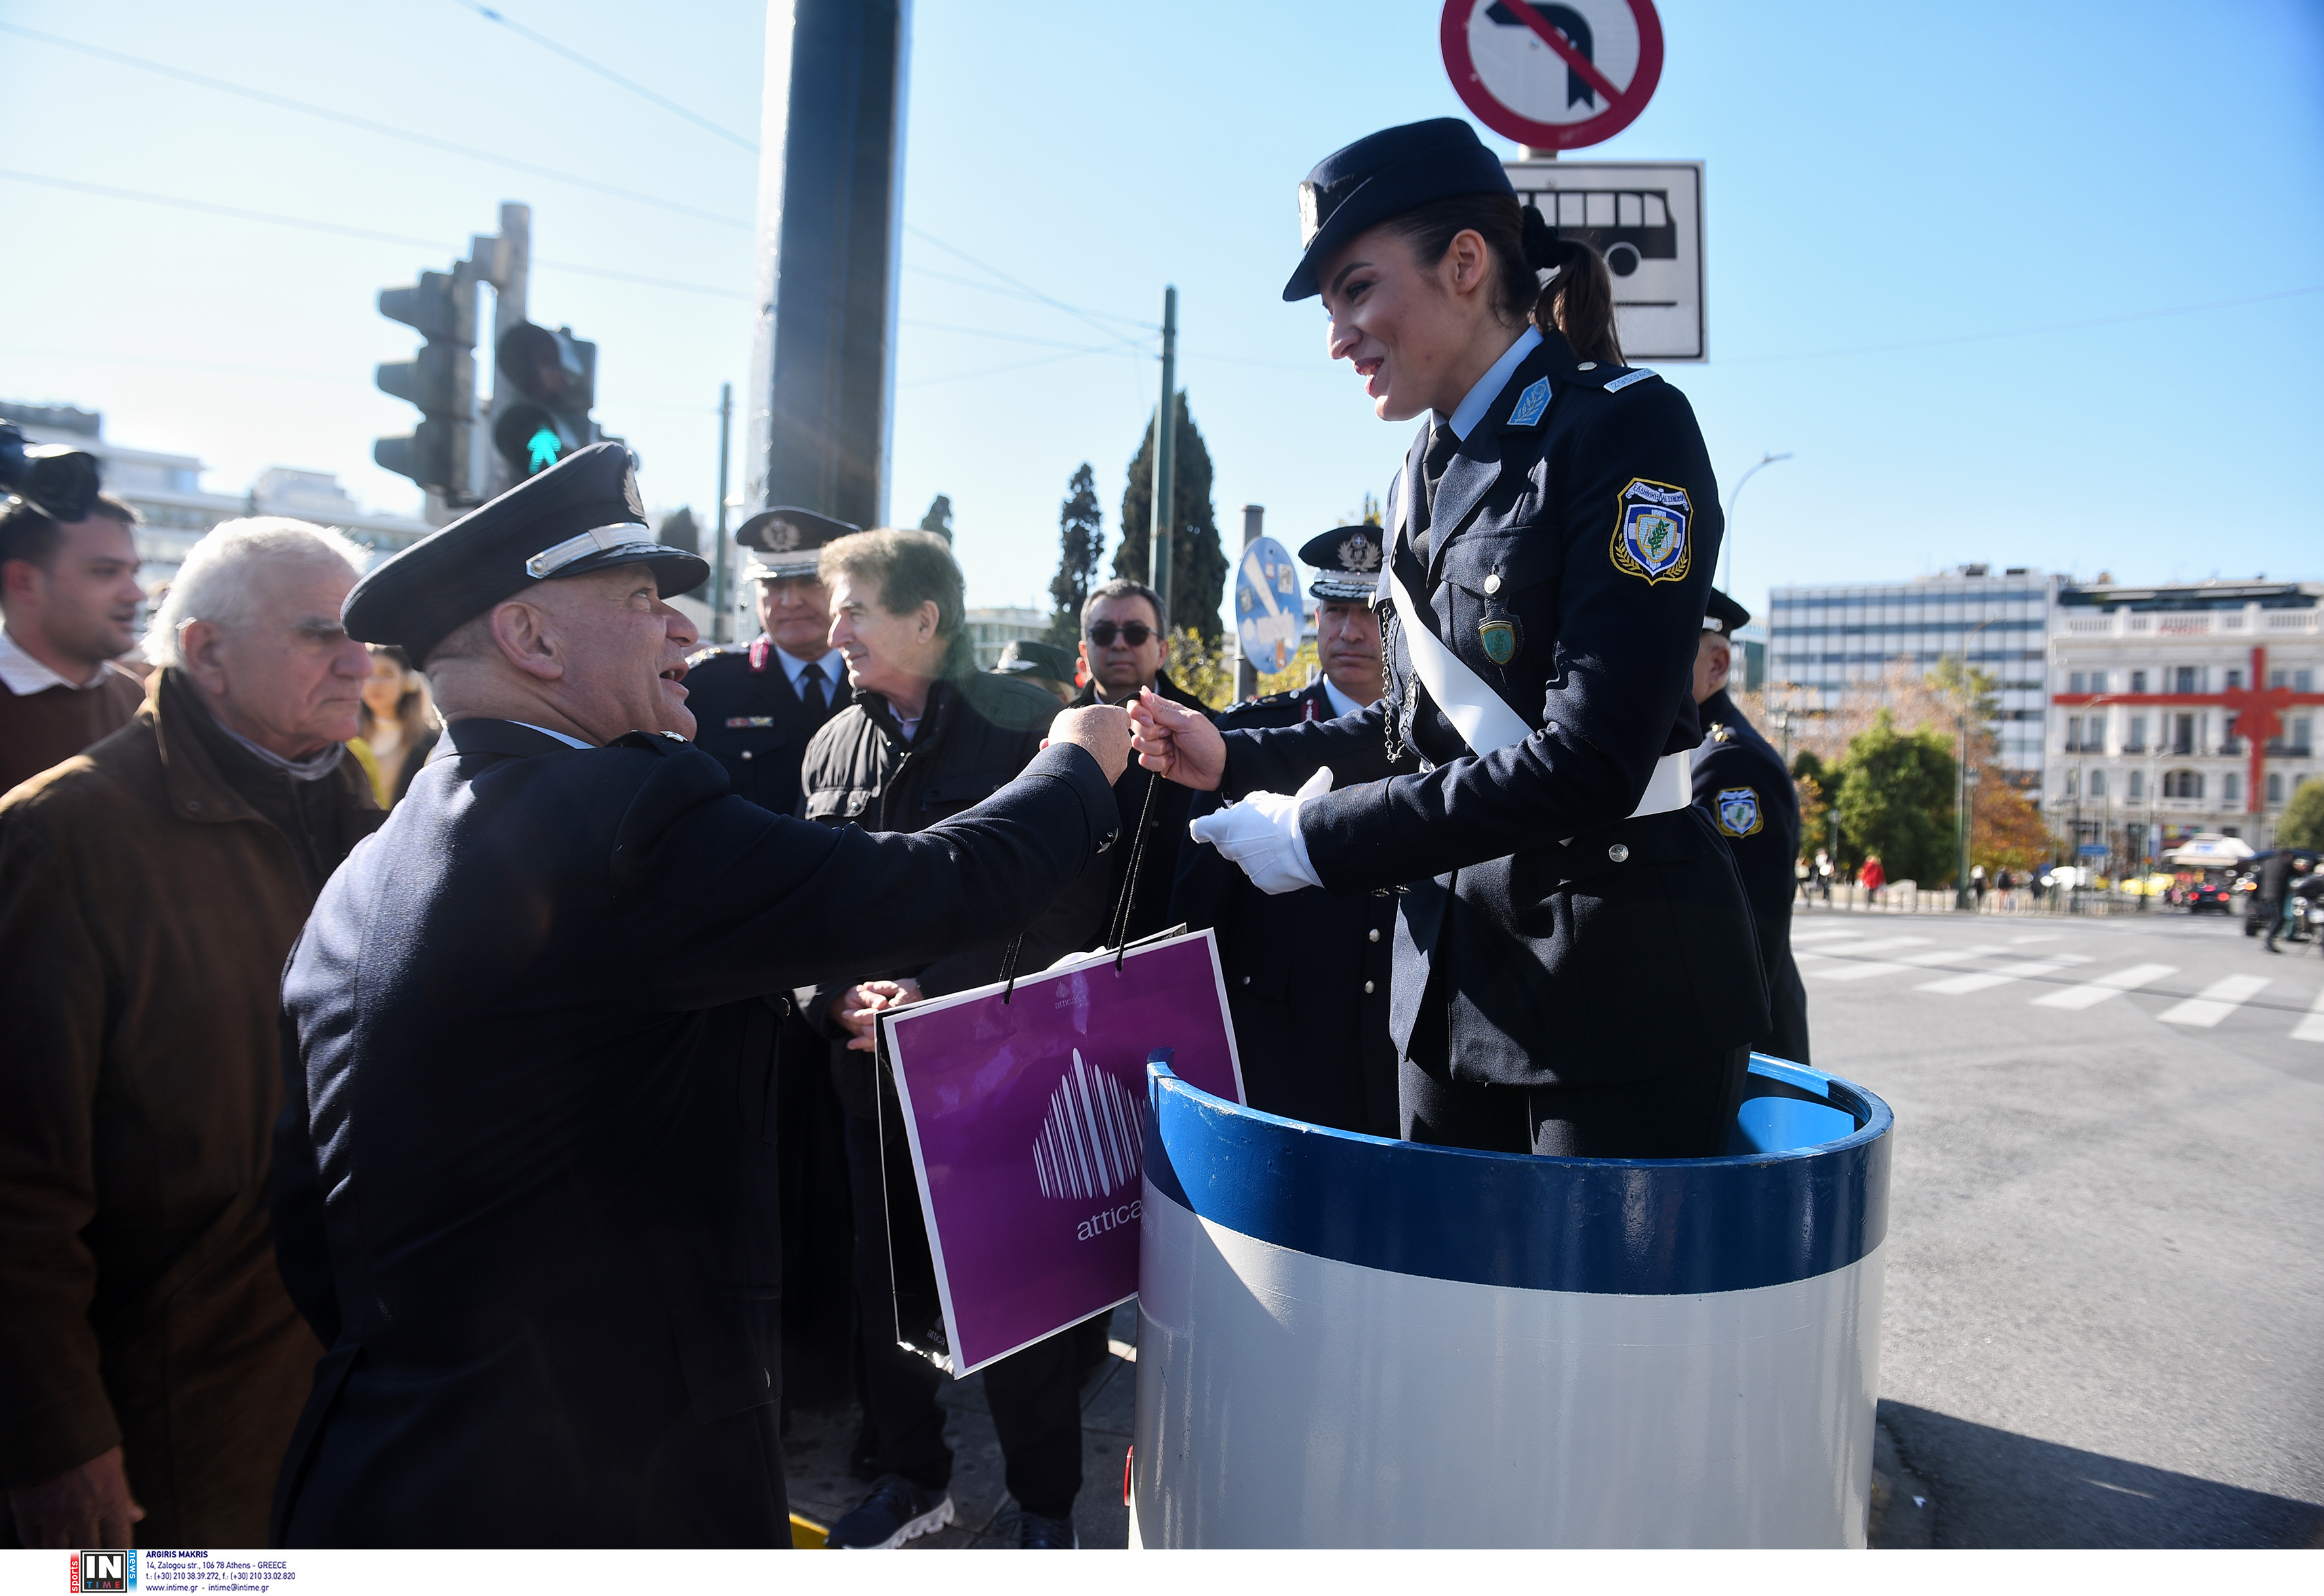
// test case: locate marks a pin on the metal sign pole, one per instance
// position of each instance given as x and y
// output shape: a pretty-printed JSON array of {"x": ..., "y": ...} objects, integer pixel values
[{"x": 1166, "y": 496}]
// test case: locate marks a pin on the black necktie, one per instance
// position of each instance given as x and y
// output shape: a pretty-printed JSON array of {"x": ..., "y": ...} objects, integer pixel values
[
  {"x": 811, "y": 686},
  {"x": 1443, "y": 443}
]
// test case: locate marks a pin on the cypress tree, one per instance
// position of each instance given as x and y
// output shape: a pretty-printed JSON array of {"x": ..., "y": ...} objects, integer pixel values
[
  {"x": 1198, "y": 561},
  {"x": 1081, "y": 544}
]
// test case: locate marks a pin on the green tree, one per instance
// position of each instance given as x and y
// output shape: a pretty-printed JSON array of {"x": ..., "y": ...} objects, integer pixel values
[
  {"x": 2303, "y": 825},
  {"x": 1895, "y": 799},
  {"x": 1198, "y": 561},
  {"x": 679, "y": 530},
  {"x": 938, "y": 520},
  {"x": 1081, "y": 544}
]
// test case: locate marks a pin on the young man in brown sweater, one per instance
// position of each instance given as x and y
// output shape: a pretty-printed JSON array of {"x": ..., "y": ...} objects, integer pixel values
[{"x": 68, "y": 591}]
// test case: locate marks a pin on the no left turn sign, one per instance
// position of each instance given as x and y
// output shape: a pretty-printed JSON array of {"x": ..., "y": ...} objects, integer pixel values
[{"x": 1554, "y": 75}]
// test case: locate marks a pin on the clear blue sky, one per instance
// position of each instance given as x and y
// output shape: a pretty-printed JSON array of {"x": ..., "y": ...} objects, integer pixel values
[{"x": 1938, "y": 241}]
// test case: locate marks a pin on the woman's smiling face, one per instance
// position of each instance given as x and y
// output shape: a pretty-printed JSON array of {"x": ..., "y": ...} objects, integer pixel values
[{"x": 1409, "y": 330}]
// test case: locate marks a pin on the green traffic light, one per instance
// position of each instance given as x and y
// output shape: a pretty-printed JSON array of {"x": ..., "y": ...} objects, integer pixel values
[{"x": 544, "y": 447}]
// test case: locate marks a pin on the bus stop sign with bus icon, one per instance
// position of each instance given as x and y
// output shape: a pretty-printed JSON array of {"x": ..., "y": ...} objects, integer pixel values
[{"x": 1645, "y": 219}]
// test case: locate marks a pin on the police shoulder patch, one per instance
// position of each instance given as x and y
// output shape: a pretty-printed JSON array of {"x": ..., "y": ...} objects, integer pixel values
[
  {"x": 1737, "y": 810},
  {"x": 1531, "y": 404},
  {"x": 1652, "y": 520}
]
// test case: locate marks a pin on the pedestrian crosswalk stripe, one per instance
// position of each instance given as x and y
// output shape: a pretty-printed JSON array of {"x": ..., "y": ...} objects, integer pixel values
[
  {"x": 1853, "y": 949},
  {"x": 1849, "y": 933},
  {"x": 2311, "y": 1027},
  {"x": 2044, "y": 936},
  {"x": 2090, "y": 993},
  {"x": 2215, "y": 1002},
  {"x": 1986, "y": 980},
  {"x": 1839, "y": 970}
]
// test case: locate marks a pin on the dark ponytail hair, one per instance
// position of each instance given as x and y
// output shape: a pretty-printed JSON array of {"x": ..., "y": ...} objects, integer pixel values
[{"x": 1578, "y": 301}]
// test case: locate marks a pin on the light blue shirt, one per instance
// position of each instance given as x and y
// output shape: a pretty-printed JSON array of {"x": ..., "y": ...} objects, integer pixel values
[
  {"x": 834, "y": 672},
  {"x": 561, "y": 737},
  {"x": 1488, "y": 387},
  {"x": 1340, "y": 703}
]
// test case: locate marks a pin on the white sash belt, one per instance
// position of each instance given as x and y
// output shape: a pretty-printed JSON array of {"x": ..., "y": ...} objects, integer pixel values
[{"x": 1484, "y": 718}]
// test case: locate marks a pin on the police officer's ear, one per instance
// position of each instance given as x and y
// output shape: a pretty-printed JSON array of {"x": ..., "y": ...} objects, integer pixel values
[{"x": 526, "y": 638}]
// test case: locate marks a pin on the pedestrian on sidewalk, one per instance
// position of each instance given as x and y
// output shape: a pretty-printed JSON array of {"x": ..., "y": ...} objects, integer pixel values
[
  {"x": 1873, "y": 878},
  {"x": 2275, "y": 877},
  {"x": 1977, "y": 886}
]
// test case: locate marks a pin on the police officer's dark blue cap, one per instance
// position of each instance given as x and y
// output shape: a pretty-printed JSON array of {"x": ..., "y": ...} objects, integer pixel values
[
  {"x": 1022, "y": 656},
  {"x": 1346, "y": 561},
  {"x": 789, "y": 539},
  {"x": 1724, "y": 615},
  {"x": 582, "y": 515},
  {"x": 1382, "y": 175}
]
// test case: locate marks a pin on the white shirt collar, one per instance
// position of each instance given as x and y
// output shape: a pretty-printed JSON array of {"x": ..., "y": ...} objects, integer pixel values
[
  {"x": 1488, "y": 387},
  {"x": 1340, "y": 703},
  {"x": 835, "y": 668},
  {"x": 23, "y": 674},
  {"x": 544, "y": 731}
]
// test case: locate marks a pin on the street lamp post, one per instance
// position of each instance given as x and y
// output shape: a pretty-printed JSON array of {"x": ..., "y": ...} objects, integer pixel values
[
  {"x": 1965, "y": 779},
  {"x": 1727, "y": 584}
]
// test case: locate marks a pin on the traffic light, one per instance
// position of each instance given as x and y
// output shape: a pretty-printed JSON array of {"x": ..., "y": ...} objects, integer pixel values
[
  {"x": 441, "y": 381},
  {"x": 555, "y": 378}
]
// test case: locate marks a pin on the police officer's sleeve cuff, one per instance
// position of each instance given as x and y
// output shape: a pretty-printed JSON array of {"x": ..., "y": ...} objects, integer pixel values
[{"x": 1080, "y": 770}]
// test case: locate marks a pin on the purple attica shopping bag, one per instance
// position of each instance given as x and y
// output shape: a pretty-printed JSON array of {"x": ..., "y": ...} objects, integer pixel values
[{"x": 1025, "y": 1109}]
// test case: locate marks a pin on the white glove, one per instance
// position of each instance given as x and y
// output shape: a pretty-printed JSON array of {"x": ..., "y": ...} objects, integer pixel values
[{"x": 1261, "y": 834}]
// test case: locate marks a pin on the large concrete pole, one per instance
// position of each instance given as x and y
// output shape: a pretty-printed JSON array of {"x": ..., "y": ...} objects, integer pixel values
[{"x": 831, "y": 168}]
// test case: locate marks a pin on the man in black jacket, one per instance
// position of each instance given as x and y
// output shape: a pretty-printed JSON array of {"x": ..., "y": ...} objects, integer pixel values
[
  {"x": 1125, "y": 645},
  {"x": 526, "y": 1188},
  {"x": 926, "y": 736},
  {"x": 1307, "y": 974}
]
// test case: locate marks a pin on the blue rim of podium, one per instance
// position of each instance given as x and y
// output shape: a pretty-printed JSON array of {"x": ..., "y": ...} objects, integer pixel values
[{"x": 1803, "y": 1191}]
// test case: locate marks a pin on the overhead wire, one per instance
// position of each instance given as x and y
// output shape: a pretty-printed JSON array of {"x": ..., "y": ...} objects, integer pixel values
[
  {"x": 611, "y": 76},
  {"x": 311, "y": 224},
  {"x": 384, "y": 130}
]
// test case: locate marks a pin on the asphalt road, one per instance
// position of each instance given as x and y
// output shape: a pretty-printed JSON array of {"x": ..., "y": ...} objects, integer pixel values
[{"x": 2105, "y": 1311}]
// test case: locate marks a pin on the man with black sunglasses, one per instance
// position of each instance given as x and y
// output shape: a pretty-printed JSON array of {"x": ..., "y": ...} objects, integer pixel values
[{"x": 1125, "y": 644}]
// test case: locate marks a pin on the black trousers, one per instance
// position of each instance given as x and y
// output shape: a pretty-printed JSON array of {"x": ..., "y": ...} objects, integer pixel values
[
  {"x": 1681, "y": 1113},
  {"x": 1034, "y": 1395}
]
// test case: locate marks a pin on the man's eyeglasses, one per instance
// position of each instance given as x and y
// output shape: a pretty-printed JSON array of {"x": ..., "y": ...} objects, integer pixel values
[{"x": 1133, "y": 632}]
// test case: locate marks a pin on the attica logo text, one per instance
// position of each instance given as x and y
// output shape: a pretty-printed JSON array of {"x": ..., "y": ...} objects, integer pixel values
[{"x": 1110, "y": 1218}]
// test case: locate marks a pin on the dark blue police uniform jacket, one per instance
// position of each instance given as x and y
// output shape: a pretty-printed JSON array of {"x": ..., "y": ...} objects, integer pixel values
[
  {"x": 1570, "y": 946},
  {"x": 531, "y": 1204},
  {"x": 1740, "y": 783},
  {"x": 1307, "y": 974},
  {"x": 748, "y": 718}
]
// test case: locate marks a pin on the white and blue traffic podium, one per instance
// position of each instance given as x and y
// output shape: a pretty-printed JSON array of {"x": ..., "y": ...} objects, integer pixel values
[{"x": 1348, "y": 1341}]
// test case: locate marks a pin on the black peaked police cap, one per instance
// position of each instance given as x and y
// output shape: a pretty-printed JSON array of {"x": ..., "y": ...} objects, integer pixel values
[
  {"x": 1346, "y": 561},
  {"x": 582, "y": 515},
  {"x": 1723, "y": 614},
  {"x": 1382, "y": 175}
]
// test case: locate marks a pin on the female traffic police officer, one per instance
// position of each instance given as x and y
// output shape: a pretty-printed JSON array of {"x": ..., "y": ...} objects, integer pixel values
[{"x": 1574, "y": 967}]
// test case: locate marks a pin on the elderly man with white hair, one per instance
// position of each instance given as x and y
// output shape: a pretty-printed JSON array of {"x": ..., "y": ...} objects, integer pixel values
[{"x": 151, "y": 1366}]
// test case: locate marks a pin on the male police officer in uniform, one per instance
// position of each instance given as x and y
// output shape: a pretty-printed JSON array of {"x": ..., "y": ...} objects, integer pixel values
[
  {"x": 755, "y": 707},
  {"x": 1308, "y": 976},
  {"x": 526, "y": 1188},
  {"x": 1740, "y": 783}
]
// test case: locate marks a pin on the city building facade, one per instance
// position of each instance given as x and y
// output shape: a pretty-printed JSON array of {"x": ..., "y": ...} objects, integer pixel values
[
  {"x": 1826, "y": 643},
  {"x": 2181, "y": 709},
  {"x": 166, "y": 490},
  {"x": 989, "y": 631}
]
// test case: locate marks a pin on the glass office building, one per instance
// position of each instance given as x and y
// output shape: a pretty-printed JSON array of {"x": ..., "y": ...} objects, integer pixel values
[{"x": 1822, "y": 642}]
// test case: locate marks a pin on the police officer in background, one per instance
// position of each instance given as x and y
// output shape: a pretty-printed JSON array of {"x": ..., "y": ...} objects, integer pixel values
[
  {"x": 1045, "y": 665},
  {"x": 1740, "y": 783},
  {"x": 755, "y": 707},
  {"x": 525, "y": 1190},
  {"x": 1574, "y": 972},
  {"x": 1308, "y": 976}
]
